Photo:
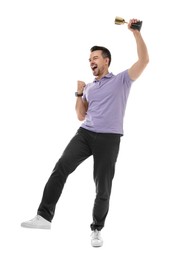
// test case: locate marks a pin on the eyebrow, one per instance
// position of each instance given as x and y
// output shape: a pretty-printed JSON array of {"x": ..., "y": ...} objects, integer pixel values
[{"x": 96, "y": 56}]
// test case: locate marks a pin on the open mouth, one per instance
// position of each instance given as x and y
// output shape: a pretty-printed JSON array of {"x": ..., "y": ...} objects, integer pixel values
[{"x": 93, "y": 67}]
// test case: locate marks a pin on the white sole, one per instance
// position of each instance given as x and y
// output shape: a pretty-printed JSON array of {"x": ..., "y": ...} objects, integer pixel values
[
  {"x": 35, "y": 227},
  {"x": 97, "y": 245}
]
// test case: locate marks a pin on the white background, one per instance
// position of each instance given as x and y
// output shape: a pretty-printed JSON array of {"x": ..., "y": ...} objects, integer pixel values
[{"x": 44, "y": 50}]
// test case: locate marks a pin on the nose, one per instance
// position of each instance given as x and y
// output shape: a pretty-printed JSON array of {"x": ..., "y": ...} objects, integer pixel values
[{"x": 92, "y": 63}]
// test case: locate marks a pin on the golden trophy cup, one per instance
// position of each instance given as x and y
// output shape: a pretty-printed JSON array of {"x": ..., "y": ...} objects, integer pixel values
[{"x": 135, "y": 26}]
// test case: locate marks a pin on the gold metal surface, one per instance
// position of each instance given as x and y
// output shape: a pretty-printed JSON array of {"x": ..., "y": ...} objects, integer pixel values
[{"x": 119, "y": 20}]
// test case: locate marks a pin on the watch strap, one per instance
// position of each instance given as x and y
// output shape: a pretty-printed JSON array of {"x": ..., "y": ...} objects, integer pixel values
[{"x": 78, "y": 94}]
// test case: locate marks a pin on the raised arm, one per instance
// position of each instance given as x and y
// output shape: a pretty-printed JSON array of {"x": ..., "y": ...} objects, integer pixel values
[{"x": 143, "y": 58}]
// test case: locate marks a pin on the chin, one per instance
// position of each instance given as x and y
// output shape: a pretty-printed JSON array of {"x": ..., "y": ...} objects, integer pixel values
[{"x": 95, "y": 74}]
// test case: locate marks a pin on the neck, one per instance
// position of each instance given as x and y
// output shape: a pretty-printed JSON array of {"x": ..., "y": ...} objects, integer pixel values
[{"x": 102, "y": 75}]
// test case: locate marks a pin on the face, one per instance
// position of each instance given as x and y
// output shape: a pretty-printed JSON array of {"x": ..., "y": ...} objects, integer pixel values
[{"x": 98, "y": 64}]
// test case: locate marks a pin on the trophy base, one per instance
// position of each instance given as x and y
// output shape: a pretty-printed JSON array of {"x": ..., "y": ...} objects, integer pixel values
[{"x": 136, "y": 26}]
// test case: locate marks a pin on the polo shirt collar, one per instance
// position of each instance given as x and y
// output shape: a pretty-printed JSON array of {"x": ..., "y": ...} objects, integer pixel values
[{"x": 109, "y": 75}]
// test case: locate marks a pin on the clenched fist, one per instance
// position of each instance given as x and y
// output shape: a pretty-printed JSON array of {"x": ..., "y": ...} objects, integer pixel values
[{"x": 80, "y": 86}]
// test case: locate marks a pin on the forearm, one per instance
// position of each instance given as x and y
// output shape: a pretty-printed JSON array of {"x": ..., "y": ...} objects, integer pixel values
[
  {"x": 80, "y": 108},
  {"x": 142, "y": 51}
]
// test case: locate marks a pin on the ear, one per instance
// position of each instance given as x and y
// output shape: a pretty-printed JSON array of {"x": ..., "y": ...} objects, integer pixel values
[{"x": 107, "y": 61}]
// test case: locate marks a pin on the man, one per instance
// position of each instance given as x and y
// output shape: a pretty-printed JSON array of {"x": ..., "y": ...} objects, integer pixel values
[{"x": 101, "y": 105}]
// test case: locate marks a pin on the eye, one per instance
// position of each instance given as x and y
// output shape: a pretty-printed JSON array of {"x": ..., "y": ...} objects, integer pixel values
[{"x": 95, "y": 58}]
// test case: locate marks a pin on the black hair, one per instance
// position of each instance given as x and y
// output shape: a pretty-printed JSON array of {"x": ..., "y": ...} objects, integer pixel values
[{"x": 105, "y": 52}]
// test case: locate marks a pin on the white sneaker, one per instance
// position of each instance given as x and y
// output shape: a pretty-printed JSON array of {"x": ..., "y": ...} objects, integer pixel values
[
  {"x": 37, "y": 222},
  {"x": 96, "y": 240}
]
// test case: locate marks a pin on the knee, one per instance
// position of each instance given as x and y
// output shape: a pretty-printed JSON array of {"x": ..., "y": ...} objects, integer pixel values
[
  {"x": 102, "y": 197},
  {"x": 63, "y": 166}
]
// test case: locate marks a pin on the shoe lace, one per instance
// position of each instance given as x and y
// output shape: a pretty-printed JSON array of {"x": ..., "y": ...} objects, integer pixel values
[
  {"x": 37, "y": 217},
  {"x": 95, "y": 234}
]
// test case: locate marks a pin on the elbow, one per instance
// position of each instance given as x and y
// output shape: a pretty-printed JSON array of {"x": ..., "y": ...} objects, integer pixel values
[
  {"x": 144, "y": 60},
  {"x": 80, "y": 117},
  {"x": 147, "y": 60},
  {"x": 80, "y": 114}
]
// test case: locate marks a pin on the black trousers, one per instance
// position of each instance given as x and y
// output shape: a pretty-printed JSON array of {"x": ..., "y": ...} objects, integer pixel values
[{"x": 104, "y": 148}]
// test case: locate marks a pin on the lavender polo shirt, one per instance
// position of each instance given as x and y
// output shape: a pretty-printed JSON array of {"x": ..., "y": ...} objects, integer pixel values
[{"x": 107, "y": 100}]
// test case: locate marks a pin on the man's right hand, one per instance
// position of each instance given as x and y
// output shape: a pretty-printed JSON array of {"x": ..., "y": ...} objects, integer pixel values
[{"x": 80, "y": 86}]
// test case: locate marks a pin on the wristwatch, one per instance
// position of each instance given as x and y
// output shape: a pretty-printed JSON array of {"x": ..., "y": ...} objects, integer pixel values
[{"x": 78, "y": 95}]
